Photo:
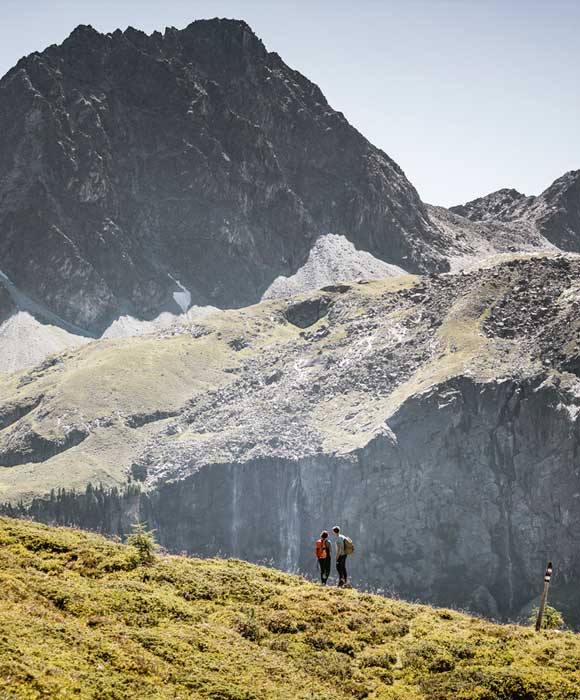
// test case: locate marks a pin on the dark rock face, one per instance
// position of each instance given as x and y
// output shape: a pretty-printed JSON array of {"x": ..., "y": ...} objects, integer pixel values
[
  {"x": 306, "y": 313},
  {"x": 130, "y": 161},
  {"x": 558, "y": 212}
]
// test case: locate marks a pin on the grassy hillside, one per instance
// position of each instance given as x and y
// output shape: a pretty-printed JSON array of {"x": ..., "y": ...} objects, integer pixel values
[
  {"x": 250, "y": 381},
  {"x": 80, "y": 618}
]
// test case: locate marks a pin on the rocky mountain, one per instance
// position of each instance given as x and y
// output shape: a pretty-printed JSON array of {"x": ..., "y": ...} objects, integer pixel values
[
  {"x": 434, "y": 417},
  {"x": 469, "y": 241},
  {"x": 155, "y": 187},
  {"x": 143, "y": 175},
  {"x": 135, "y": 168},
  {"x": 498, "y": 205},
  {"x": 554, "y": 214}
]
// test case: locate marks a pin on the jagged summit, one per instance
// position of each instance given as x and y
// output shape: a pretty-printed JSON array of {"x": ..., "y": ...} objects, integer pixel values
[{"x": 130, "y": 160}]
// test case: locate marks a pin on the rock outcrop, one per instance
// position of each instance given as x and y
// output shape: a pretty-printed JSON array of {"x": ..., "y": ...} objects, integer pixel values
[
  {"x": 498, "y": 205},
  {"x": 133, "y": 167},
  {"x": 434, "y": 417},
  {"x": 7, "y": 306},
  {"x": 469, "y": 240}
]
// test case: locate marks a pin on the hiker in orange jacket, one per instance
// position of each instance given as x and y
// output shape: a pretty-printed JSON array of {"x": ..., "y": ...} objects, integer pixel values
[{"x": 323, "y": 551}]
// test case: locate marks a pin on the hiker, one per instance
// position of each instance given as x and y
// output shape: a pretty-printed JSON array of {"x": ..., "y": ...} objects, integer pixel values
[
  {"x": 323, "y": 552},
  {"x": 344, "y": 547}
]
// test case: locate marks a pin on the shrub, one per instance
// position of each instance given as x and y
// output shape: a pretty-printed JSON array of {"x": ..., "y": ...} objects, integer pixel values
[
  {"x": 142, "y": 540},
  {"x": 38, "y": 543},
  {"x": 279, "y": 644},
  {"x": 396, "y": 629},
  {"x": 441, "y": 663},
  {"x": 462, "y": 650},
  {"x": 328, "y": 665},
  {"x": 385, "y": 675},
  {"x": 282, "y": 623},
  {"x": 139, "y": 472},
  {"x": 378, "y": 659},
  {"x": 552, "y": 620},
  {"x": 345, "y": 646},
  {"x": 356, "y": 622},
  {"x": 420, "y": 654}
]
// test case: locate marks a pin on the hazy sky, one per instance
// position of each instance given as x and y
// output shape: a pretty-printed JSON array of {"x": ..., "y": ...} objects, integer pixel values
[{"x": 466, "y": 95}]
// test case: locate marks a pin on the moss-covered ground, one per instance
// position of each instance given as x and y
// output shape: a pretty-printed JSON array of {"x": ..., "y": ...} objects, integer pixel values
[{"x": 81, "y": 618}]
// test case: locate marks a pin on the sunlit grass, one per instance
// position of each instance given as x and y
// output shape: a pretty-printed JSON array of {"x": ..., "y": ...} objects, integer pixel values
[{"x": 80, "y": 618}]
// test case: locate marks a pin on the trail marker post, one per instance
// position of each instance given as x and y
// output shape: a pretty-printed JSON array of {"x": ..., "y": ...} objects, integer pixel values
[{"x": 547, "y": 579}]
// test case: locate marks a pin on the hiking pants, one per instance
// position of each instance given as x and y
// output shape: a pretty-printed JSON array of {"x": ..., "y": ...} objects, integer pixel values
[
  {"x": 324, "y": 569},
  {"x": 341, "y": 568}
]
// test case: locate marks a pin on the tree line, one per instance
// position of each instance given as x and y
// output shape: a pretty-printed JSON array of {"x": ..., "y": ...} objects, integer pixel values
[{"x": 100, "y": 509}]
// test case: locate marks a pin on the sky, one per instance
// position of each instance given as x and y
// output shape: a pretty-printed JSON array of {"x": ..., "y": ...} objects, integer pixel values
[{"x": 468, "y": 96}]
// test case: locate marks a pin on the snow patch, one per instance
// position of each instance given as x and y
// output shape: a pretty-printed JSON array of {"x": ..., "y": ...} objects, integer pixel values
[{"x": 183, "y": 297}]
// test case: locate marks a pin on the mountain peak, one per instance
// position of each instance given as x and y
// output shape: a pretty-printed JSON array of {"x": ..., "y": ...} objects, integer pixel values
[
  {"x": 490, "y": 206},
  {"x": 84, "y": 32},
  {"x": 193, "y": 155}
]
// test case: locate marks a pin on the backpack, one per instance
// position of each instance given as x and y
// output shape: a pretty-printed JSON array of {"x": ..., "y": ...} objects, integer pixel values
[
  {"x": 320, "y": 549},
  {"x": 348, "y": 545}
]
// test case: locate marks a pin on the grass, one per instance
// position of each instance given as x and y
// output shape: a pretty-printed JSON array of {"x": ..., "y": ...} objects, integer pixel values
[{"x": 80, "y": 618}]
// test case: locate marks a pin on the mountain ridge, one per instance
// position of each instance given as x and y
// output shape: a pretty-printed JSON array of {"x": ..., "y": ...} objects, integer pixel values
[{"x": 133, "y": 160}]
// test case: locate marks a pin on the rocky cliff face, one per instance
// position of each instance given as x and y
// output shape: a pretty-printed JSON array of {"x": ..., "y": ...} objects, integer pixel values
[
  {"x": 7, "y": 306},
  {"x": 434, "y": 417},
  {"x": 132, "y": 166},
  {"x": 475, "y": 490}
]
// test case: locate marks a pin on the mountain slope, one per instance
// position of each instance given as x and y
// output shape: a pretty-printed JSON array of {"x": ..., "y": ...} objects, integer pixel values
[
  {"x": 333, "y": 260},
  {"x": 24, "y": 342},
  {"x": 128, "y": 162},
  {"x": 431, "y": 416},
  {"x": 472, "y": 236},
  {"x": 80, "y": 618}
]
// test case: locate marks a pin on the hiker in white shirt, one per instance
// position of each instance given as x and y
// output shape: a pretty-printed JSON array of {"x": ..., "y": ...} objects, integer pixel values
[{"x": 340, "y": 556}]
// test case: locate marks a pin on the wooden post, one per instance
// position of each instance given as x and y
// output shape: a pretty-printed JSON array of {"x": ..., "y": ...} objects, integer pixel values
[{"x": 547, "y": 577}]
